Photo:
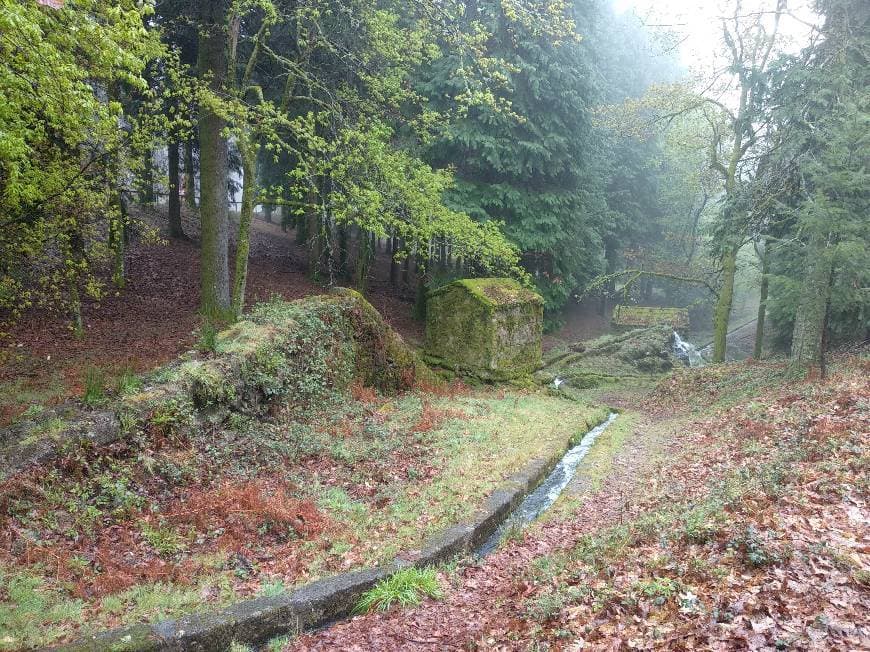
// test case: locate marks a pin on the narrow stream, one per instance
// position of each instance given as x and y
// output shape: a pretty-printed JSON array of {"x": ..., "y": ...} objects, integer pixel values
[{"x": 537, "y": 502}]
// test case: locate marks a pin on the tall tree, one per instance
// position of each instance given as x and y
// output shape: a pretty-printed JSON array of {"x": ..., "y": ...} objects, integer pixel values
[
  {"x": 823, "y": 114},
  {"x": 67, "y": 76},
  {"x": 214, "y": 166},
  {"x": 529, "y": 165}
]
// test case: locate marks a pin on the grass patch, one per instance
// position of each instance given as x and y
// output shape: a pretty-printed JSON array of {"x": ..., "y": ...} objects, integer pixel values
[
  {"x": 33, "y": 613},
  {"x": 95, "y": 386},
  {"x": 127, "y": 382},
  {"x": 405, "y": 588}
]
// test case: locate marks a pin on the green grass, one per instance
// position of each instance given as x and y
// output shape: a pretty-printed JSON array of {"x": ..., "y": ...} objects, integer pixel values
[
  {"x": 498, "y": 435},
  {"x": 95, "y": 386},
  {"x": 18, "y": 393},
  {"x": 127, "y": 382},
  {"x": 208, "y": 338},
  {"x": 405, "y": 588},
  {"x": 485, "y": 437},
  {"x": 33, "y": 613}
]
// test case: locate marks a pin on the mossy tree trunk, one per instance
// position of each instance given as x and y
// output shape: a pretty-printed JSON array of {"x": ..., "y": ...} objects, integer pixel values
[
  {"x": 214, "y": 168},
  {"x": 344, "y": 254},
  {"x": 364, "y": 257},
  {"x": 722, "y": 310},
  {"x": 246, "y": 216},
  {"x": 175, "y": 230},
  {"x": 808, "y": 336},
  {"x": 314, "y": 243},
  {"x": 189, "y": 175},
  {"x": 118, "y": 241},
  {"x": 758, "y": 349},
  {"x": 394, "y": 264},
  {"x": 422, "y": 288}
]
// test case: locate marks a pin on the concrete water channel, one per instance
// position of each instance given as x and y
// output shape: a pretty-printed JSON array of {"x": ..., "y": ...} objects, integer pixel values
[{"x": 546, "y": 493}]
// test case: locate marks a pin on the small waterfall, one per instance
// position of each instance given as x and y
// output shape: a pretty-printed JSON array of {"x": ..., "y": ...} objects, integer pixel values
[{"x": 687, "y": 352}]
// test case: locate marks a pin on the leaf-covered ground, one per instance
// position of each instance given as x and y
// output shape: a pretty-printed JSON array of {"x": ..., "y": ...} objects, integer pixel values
[
  {"x": 164, "y": 523},
  {"x": 744, "y": 528}
]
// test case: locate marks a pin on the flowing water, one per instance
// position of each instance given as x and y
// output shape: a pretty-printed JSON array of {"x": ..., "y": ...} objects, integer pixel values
[
  {"x": 537, "y": 502},
  {"x": 687, "y": 352}
]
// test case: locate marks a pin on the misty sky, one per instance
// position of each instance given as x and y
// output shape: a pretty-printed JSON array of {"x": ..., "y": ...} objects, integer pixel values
[{"x": 697, "y": 22}]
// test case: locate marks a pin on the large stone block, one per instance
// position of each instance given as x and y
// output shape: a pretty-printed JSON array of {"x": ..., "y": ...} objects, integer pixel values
[{"x": 489, "y": 328}]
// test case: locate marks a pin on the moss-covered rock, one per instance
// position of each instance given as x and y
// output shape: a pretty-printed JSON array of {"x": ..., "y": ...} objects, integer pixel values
[
  {"x": 638, "y": 354},
  {"x": 489, "y": 328},
  {"x": 285, "y": 354}
]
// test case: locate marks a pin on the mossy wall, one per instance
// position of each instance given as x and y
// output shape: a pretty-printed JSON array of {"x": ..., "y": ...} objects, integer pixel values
[
  {"x": 489, "y": 328},
  {"x": 284, "y": 354},
  {"x": 626, "y": 317}
]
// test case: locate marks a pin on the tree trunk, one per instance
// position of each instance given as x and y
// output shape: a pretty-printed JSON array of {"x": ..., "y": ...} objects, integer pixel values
[
  {"x": 189, "y": 175},
  {"x": 422, "y": 289},
  {"x": 758, "y": 350},
  {"x": 118, "y": 242},
  {"x": 344, "y": 253},
  {"x": 610, "y": 258},
  {"x": 364, "y": 256},
  {"x": 394, "y": 264},
  {"x": 314, "y": 243},
  {"x": 722, "y": 311},
  {"x": 246, "y": 215},
  {"x": 175, "y": 230},
  {"x": 267, "y": 212},
  {"x": 214, "y": 169},
  {"x": 807, "y": 344},
  {"x": 146, "y": 196}
]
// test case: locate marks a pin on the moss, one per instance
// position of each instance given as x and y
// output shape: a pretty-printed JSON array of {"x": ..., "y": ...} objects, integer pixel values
[
  {"x": 639, "y": 316},
  {"x": 207, "y": 383},
  {"x": 641, "y": 354},
  {"x": 297, "y": 353},
  {"x": 487, "y": 328},
  {"x": 494, "y": 292}
]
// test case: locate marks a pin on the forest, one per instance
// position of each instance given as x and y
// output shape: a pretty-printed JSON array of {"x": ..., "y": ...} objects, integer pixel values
[{"x": 305, "y": 305}]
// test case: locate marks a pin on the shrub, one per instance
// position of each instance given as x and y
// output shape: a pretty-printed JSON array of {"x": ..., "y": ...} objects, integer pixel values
[
  {"x": 407, "y": 588},
  {"x": 207, "y": 342}
]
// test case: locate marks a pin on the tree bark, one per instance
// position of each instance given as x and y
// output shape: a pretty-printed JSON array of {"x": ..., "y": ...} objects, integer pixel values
[
  {"x": 758, "y": 350},
  {"x": 189, "y": 175},
  {"x": 364, "y": 256},
  {"x": 214, "y": 168},
  {"x": 118, "y": 242},
  {"x": 175, "y": 230},
  {"x": 722, "y": 311},
  {"x": 807, "y": 344},
  {"x": 246, "y": 215},
  {"x": 394, "y": 264},
  {"x": 314, "y": 243}
]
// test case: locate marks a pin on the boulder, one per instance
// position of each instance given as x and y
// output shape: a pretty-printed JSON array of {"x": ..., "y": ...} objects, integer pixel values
[{"x": 488, "y": 328}]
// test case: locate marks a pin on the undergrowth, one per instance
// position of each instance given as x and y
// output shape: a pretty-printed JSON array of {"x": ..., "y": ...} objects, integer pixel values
[{"x": 405, "y": 588}]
